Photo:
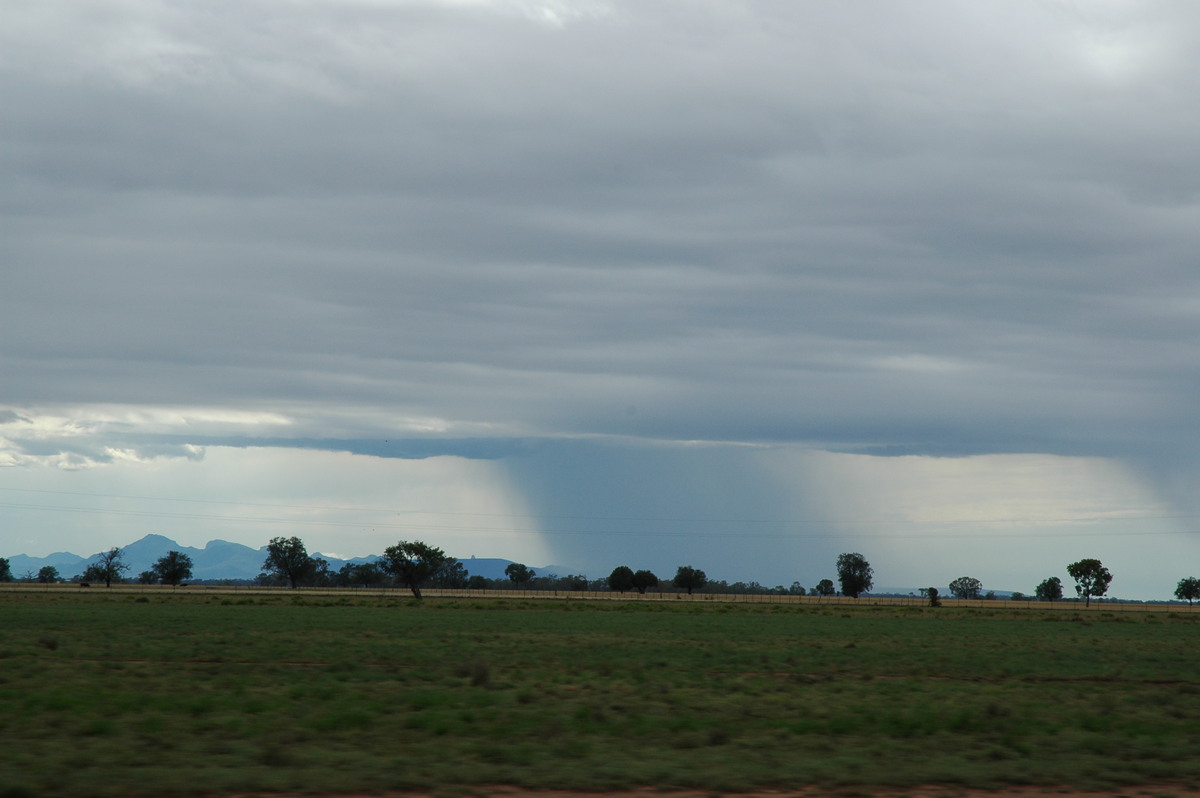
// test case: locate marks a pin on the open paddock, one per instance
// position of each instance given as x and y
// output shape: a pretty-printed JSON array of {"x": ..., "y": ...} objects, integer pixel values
[{"x": 216, "y": 691}]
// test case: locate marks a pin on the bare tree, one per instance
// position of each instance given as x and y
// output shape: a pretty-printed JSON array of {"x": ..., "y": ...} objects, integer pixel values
[{"x": 107, "y": 567}]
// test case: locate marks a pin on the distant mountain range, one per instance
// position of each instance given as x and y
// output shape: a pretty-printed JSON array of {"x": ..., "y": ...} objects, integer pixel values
[{"x": 220, "y": 559}]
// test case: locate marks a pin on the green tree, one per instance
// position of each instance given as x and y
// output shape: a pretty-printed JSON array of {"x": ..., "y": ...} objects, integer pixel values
[
  {"x": 932, "y": 594},
  {"x": 518, "y": 573},
  {"x": 966, "y": 587},
  {"x": 1188, "y": 589},
  {"x": 93, "y": 573},
  {"x": 854, "y": 574},
  {"x": 47, "y": 574},
  {"x": 643, "y": 580},
  {"x": 5, "y": 570},
  {"x": 412, "y": 563},
  {"x": 107, "y": 568},
  {"x": 1049, "y": 590},
  {"x": 147, "y": 578},
  {"x": 359, "y": 574},
  {"x": 452, "y": 575},
  {"x": 321, "y": 575},
  {"x": 690, "y": 578},
  {"x": 576, "y": 583},
  {"x": 621, "y": 579},
  {"x": 824, "y": 588},
  {"x": 288, "y": 559},
  {"x": 173, "y": 567},
  {"x": 1091, "y": 579}
]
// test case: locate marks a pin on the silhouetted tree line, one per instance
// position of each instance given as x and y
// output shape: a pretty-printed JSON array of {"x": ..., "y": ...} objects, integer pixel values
[
  {"x": 170, "y": 569},
  {"x": 414, "y": 565}
]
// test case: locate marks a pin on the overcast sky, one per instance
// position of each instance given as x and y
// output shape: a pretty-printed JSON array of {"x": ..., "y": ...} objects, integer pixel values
[{"x": 740, "y": 285}]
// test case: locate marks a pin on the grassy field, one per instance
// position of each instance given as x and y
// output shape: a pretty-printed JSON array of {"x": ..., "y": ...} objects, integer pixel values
[{"x": 166, "y": 693}]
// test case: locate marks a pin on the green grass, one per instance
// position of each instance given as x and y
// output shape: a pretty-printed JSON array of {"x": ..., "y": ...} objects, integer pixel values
[{"x": 175, "y": 694}]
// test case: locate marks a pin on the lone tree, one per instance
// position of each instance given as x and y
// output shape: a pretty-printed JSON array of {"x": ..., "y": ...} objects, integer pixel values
[
  {"x": 854, "y": 574},
  {"x": 1049, "y": 590},
  {"x": 966, "y": 587},
  {"x": 643, "y": 580},
  {"x": 690, "y": 578},
  {"x": 173, "y": 567},
  {"x": 1091, "y": 579},
  {"x": 932, "y": 594},
  {"x": 412, "y": 563},
  {"x": 107, "y": 567},
  {"x": 47, "y": 574},
  {"x": 519, "y": 573},
  {"x": 824, "y": 588},
  {"x": 621, "y": 579},
  {"x": 5, "y": 570},
  {"x": 1188, "y": 589},
  {"x": 288, "y": 559}
]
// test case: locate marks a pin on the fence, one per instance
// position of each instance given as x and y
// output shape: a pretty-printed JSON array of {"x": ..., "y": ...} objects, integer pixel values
[{"x": 399, "y": 593}]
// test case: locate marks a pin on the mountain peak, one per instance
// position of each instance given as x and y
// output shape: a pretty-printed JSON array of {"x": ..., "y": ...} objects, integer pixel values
[
  {"x": 225, "y": 544},
  {"x": 156, "y": 540}
]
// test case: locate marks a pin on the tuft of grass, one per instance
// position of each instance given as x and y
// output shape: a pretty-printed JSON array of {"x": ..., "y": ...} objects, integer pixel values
[{"x": 477, "y": 671}]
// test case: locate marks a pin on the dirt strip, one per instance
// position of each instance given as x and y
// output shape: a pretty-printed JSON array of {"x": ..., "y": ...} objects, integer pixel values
[{"x": 925, "y": 791}]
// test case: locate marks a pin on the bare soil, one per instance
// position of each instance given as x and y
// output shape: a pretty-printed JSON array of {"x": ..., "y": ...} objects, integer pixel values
[{"x": 926, "y": 791}]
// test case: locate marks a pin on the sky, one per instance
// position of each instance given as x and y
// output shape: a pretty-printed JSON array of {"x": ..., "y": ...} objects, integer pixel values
[{"x": 734, "y": 284}]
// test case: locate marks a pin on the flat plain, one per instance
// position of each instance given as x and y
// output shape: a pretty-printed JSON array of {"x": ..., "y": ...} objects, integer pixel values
[{"x": 195, "y": 693}]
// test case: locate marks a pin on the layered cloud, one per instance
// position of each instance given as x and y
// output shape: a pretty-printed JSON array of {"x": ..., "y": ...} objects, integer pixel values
[{"x": 473, "y": 229}]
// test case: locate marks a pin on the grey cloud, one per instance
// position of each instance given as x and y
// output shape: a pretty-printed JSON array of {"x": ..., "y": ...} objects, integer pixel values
[{"x": 935, "y": 228}]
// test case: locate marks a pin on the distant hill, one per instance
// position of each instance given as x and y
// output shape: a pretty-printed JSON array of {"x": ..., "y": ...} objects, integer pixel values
[
  {"x": 67, "y": 564},
  {"x": 220, "y": 559},
  {"x": 493, "y": 568}
]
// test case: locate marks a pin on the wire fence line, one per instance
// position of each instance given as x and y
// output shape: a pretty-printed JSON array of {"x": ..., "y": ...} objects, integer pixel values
[{"x": 401, "y": 593}]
